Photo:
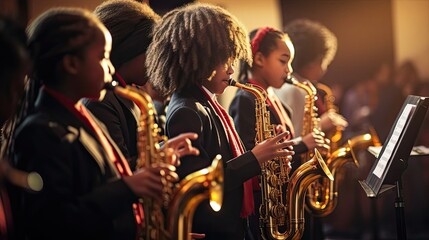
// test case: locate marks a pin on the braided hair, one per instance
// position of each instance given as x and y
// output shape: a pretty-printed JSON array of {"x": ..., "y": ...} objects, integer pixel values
[
  {"x": 190, "y": 42},
  {"x": 14, "y": 64},
  {"x": 312, "y": 41},
  {"x": 54, "y": 34}
]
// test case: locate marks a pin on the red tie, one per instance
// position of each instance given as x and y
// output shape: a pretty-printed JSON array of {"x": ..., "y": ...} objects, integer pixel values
[{"x": 237, "y": 149}]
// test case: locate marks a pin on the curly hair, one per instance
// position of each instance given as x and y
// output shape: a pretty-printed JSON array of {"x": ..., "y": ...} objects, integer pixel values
[
  {"x": 190, "y": 42},
  {"x": 312, "y": 41},
  {"x": 130, "y": 23}
]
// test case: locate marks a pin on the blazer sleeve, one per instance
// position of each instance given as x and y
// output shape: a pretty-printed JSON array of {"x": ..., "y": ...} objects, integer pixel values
[
  {"x": 76, "y": 198},
  {"x": 237, "y": 170}
]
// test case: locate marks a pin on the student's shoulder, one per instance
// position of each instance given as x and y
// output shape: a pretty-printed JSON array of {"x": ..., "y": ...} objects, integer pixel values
[
  {"x": 242, "y": 99},
  {"x": 188, "y": 107},
  {"x": 179, "y": 101},
  {"x": 110, "y": 100},
  {"x": 42, "y": 126},
  {"x": 243, "y": 94}
]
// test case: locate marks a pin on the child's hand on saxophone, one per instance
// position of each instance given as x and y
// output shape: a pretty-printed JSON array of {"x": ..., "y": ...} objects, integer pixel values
[{"x": 180, "y": 146}]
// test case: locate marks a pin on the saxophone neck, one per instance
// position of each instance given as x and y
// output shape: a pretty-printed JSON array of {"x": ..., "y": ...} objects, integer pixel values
[
  {"x": 307, "y": 86},
  {"x": 256, "y": 90},
  {"x": 329, "y": 96}
]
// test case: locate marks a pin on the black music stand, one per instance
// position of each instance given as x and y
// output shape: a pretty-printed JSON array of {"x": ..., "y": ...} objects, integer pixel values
[{"x": 393, "y": 158}]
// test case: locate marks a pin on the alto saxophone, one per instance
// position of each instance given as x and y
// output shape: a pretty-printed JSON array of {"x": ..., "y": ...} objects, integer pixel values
[
  {"x": 276, "y": 206},
  {"x": 311, "y": 120},
  {"x": 322, "y": 195},
  {"x": 335, "y": 135},
  {"x": 325, "y": 205},
  {"x": 184, "y": 198}
]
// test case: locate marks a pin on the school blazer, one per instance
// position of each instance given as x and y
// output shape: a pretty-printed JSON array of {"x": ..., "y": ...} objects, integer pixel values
[
  {"x": 120, "y": 117},
  {"x": 242, "y": 110},
  {"x": 83, "y": 196},
  {"x": 190, "y": 111}
]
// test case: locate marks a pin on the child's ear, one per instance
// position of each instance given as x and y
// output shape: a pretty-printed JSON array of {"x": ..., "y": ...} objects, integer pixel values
[
  {"x": 258, "y": 59},
  {"x": 70, "y": 64}
]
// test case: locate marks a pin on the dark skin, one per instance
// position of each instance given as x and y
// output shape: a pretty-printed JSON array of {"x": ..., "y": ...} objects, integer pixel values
[{"x": 77, "y": 82}]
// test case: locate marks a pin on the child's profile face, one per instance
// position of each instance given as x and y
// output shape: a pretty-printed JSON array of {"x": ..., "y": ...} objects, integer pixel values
[
  {"x": 134, "y": 71},
  {"x": 219, "y": 81},
  {"x": 277, "y": 66},
  {"x": 315, "y": 70},
  {"x": 96, "y": 67}
]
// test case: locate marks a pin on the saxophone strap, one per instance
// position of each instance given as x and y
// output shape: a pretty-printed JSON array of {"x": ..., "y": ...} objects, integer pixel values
[{"x": 237, "y": 149}]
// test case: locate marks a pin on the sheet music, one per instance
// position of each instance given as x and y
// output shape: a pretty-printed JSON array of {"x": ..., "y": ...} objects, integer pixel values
[
  {"x": 416, "y": 151},
  {"x": 399, "y": 127}
]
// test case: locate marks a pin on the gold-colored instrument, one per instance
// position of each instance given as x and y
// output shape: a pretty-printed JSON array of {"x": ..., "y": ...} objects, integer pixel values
[
  {"x": 183, "y": 199},
  {"x": 337, "y": 133},
  {"x": 322, "y": 195},
  {"x": 325, "y": 203},
  {"x": 281, "y": 213},
  {"x": 311, "y": 120}
]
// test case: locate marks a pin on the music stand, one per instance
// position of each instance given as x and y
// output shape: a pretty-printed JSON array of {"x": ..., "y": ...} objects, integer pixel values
[{"x": 392, "y": 161}]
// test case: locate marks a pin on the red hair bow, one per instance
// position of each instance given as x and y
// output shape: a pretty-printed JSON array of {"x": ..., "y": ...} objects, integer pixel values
[{"x": 260, "y": 34}]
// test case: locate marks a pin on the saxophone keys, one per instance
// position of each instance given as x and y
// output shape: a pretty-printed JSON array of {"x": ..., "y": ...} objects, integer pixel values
[
  {"x": 273, "y": 180},
  {"x": 273, "y": 166},
  {"x": 274, "y": 195},
  {"x": 278, "y": 211}
]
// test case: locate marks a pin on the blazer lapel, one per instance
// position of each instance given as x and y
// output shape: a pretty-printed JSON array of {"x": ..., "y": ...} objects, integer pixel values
[
  {"x": 112, "y": 143},
  {"x": 93, "y": 147},
  {"x": 215, "y": 118},
  {"x": 86, "y": 135}
]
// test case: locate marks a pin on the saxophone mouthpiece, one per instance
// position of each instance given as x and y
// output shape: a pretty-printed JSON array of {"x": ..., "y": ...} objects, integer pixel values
[
  {"x": 231, "y": 82},
  {"x": 111, "y": 85},
  {"x": 290, "y": 80}
]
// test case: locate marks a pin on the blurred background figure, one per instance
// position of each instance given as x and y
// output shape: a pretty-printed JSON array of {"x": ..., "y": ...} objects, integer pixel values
[
  {"x": 392, "y": 95},
  {"x": 14, "y": 65},
  {"x": 361, "y": 100}
]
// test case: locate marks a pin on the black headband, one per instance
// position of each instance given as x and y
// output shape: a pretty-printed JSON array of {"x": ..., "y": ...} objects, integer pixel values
[{"x": 132, "y": 45}]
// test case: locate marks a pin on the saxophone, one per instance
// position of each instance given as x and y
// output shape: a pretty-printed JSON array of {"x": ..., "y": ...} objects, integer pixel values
[
  {"x": 276, "y": 206},
  {"x": 181, "y": 200},
  {"x": 335, "y": 135},
  {"x": 322, "y": 195},
  {"x": 325, "y": 205},
  {"x": 311, "y": 120}
]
